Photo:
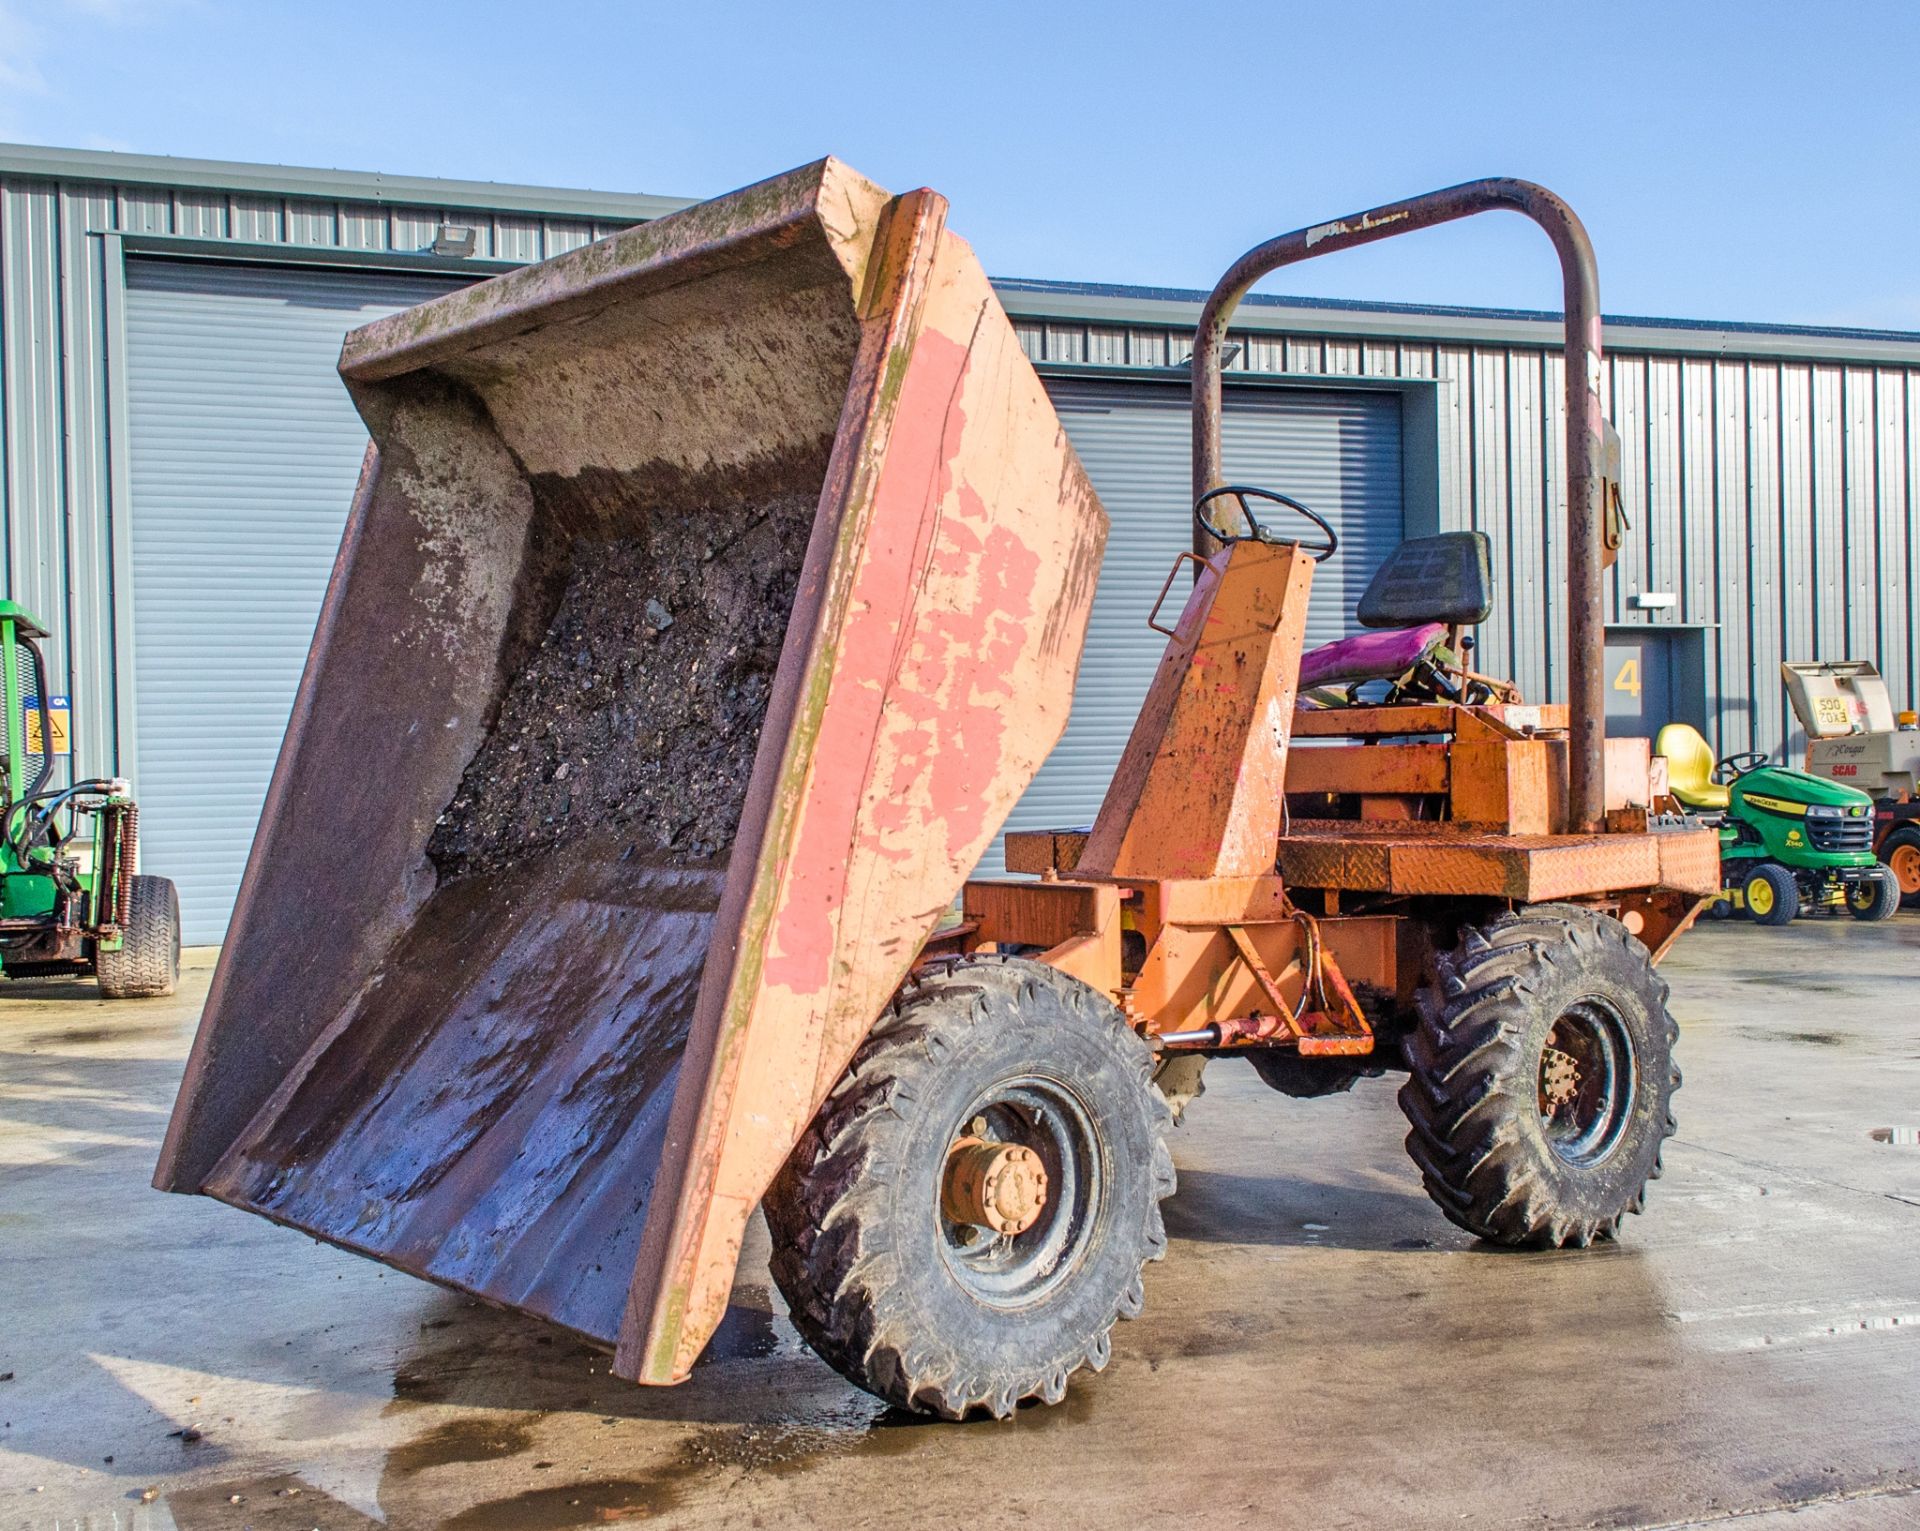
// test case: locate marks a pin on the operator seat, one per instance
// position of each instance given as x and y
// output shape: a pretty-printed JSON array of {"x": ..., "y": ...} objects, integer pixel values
[
  {"x": 1690, "y": 767},
  {"x": 1427, "y": 586}
]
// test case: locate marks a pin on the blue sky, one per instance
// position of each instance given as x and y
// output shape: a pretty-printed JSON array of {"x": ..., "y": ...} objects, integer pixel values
[{"x": 1737, "y": 161}]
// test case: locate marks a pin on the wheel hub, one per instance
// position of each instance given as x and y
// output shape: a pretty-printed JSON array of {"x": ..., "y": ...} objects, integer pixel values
[
  {"x": 1559, "y": 1077},
  {"x": 998, "y": 1186},
  {"x": 1585, "y": 1084}
]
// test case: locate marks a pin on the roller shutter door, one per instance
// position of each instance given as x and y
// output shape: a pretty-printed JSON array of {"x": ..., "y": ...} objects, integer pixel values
[
  {"x": 244, "y": 451},
  {"x": 1337, "y": 450}
]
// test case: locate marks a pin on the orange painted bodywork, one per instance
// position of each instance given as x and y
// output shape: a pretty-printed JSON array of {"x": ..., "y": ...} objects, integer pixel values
[{"x": 1205, "y": 837}]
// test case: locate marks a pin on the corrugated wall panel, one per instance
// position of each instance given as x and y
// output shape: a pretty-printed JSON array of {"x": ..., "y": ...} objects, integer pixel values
[
  {"x": 35, "y": 400},
  {"x": 1526, "y": 585},
  {"x": 1553, "y": 397},
  {"x": 200, "y": 214},
  {"x": 413, "y": 228},
  {"x": 1632, "y": 389},
  {"x": 258, "y": 220},
  {"x": 1106, "y": 346},
  {"x": 1900, "y": 611},
  {"x": 1829, "y": 514},
  {"x": 1491, "y": 502},
  {"x": 1799, "y": 555},
  {"x": 363, "y": 228},
  {"x": 1728, "y": 681},
  {"x": 312, "y": 223},
  {"x": 1766, "y": 541},
  {"x": 85, "y": 667},
  {"x": 1696, "y": 533},
  {"x": 1911, "y": 578},
  {"x": 1147, "y": 348},
  {"x": 516, "y": 239},
  {"x": 560, "y": 236},
  {"x": 145, "y": 210},
  {"x": 1454, "y": 368},
  {"x": 1860, "y": 422}
]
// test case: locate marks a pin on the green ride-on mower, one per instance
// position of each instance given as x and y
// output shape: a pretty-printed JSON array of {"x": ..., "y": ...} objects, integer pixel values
[
  {"x": 72, "y": 900},
  {"x": 1789, "y": 841}
]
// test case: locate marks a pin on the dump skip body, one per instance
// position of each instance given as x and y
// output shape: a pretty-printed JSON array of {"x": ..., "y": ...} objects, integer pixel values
[{"x": 709, "y": 596}]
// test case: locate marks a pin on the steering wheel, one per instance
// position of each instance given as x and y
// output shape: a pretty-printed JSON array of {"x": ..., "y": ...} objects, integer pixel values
[
  {"x": 1735, "y": 766},
  {"x": 1320, "y": 552}
]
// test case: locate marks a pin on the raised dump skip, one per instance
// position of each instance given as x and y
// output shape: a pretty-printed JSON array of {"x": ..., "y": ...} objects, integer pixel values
[{"x": 710, "y": 596}]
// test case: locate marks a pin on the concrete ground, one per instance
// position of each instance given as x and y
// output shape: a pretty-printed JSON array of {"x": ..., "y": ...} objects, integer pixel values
[{"x": 1320, "y": 1349}]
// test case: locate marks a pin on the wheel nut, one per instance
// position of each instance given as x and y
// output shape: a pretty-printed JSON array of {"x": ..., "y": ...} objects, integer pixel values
[{"x": 998, "y": 1186}]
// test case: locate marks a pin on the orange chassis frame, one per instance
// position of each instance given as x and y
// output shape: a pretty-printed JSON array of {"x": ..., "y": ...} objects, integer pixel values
[{"x": 1218, "y": 915}]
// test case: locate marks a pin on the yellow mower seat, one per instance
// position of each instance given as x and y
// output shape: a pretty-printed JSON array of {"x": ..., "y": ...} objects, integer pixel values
[{"x": 1690, "y": 765}]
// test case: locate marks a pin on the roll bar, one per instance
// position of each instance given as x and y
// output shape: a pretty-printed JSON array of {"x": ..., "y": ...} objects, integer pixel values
[{"x": 1585, "y": 451}]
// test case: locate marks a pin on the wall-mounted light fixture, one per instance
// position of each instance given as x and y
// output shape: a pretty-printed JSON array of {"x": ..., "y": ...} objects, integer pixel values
[
  {"x": 1654, "y": 600},
  {"x": 454, "y": 239}
]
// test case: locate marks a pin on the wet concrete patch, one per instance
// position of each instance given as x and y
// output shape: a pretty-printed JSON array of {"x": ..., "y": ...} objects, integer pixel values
[
  {"x": 599, "y": 1502},
  {"x": 479, "y": 1438}
]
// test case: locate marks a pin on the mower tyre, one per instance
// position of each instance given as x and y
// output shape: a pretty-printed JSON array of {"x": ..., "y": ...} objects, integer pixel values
[
  {"x": 901, "y": 1293},
  {"x": 147, "y": 965},
  {"x": 1874, "y": 897},
  {"x": 1770, "y": 895},
  {"x": 1541, "y": 1078},
  {"x": 1901, "y": 851}
]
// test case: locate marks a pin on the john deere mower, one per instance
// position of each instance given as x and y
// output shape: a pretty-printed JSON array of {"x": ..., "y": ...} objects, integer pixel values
[
  {"x": 1789, "y": 841},
  {"x": 72, "y": 900}
]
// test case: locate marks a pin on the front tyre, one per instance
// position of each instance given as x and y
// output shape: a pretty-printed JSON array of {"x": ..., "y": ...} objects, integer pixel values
[
  {"x": 1875, "y": 896},
  {"x": 147, "y": 965},
  {"x": 1770, "y": 895},
  {"x": 971, "y": 1209},
  {"x": 1541, "y": 1078}
]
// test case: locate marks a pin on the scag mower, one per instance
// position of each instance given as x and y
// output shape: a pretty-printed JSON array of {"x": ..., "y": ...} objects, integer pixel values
[
  {"x": 584, "y": 917},
  {"x": 1790, "y": 842},
  {"x": 72, "y": 899},
  {"x": 1855, "y": 737}
]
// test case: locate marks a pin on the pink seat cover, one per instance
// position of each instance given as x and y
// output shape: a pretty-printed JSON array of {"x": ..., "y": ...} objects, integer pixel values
[{"x": 1381, "y": 655}]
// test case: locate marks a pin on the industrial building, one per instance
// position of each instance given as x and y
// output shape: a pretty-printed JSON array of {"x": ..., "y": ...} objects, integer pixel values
[{"x": 179, "y": 459}]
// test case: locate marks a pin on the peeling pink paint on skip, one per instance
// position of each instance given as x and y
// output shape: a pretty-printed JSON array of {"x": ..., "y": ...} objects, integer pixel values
[{"x": 917, "y": 700}]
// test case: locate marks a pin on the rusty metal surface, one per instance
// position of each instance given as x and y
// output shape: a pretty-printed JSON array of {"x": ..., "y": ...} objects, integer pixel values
[
  {"x": 1585, "y": 434},
  {"x": 564, "y": 1085},
  {"x": 1421, "y": 718},
  {"x": 1690, "y": 861},
  {"x": 1456, "y": 860}
]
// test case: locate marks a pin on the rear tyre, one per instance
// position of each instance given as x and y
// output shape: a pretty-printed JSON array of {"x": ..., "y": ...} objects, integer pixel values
[
  {"x": 893, "y": 1288},
  {"x": 1771, "y": 895},
  {"x": 1901, "y": 852},
  {"x": 1875, "y": 897},
  {"x": 1305, "y": 1078},
  {"x": 147, "y": 965},
  {"x": 1542, "y": 1078}
]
